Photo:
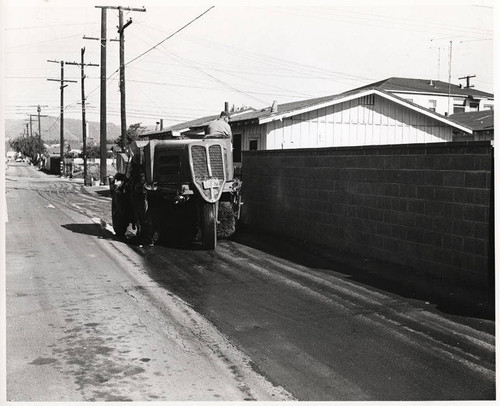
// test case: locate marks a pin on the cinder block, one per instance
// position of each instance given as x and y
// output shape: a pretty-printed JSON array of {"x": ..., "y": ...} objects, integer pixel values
[
  {"x": 398, "y": 231},
  {"x": 433, "y": 239},
  {"x": 415, "y": 235},
  {"x": 475, "y": 213},
  {"x": 434, "y": 178},
  {"x": 475, "y": 246},
  {"x": 453, "y": 242},
  {"x": 463, "y": 228},
  {"x": 408, "y": 191},
  {"x": 454, "y": 179},
  {"x": 482, "y": 231},
  {"x": 476, "y": 179},
  {"x": 416, "y": 206},
  {"x": 443, "y": 194},
  {"x": 463, "y": 195},
  {"x": 483, "y": 163}
]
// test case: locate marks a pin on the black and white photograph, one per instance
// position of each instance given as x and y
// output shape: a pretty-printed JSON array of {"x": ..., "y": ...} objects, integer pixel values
[{"x": 230, "y": 201}]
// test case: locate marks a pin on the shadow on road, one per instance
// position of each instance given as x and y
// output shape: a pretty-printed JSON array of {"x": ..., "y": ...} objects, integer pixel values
[
  {"x": 104, "y": 193},
  {"x": 88, "y": 229},
  {"x": 447, "y": 296}
]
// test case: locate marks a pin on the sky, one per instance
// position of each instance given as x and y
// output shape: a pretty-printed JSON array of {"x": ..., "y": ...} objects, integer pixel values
[{"x": 184, "y": 60}]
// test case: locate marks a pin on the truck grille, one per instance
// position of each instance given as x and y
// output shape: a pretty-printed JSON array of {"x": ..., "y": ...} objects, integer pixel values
[
  {"x": 200, "y": 165},
  {"x": 216, "y": 163},
  {"x": 167, "y": 168},
  {"x": 208, "y": 172}
]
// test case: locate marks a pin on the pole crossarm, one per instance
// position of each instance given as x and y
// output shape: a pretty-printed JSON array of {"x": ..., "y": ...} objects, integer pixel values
[
  {"x": 62, "y": 80},
  {"x": 123, "y": 8},
  {"x": 82, "y": 64},
  {"x": 98, "y": 39}
]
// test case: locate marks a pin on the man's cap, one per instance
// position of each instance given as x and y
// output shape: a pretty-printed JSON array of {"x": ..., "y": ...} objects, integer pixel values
[{"x": 224, "y": 114}]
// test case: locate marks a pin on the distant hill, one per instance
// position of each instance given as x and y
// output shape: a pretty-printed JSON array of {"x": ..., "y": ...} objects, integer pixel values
[{"x": 72, "y": 130}]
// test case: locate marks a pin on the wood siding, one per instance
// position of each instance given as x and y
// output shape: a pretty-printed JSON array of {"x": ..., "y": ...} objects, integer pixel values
[
  {"x": 254, "y": 132},
  {"x": 371, "y": 120}
]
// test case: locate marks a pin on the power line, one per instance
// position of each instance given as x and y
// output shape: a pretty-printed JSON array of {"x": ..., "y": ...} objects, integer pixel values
[
  {"x": 170, "y": 36},
  {"x": 46, "y": 26}
]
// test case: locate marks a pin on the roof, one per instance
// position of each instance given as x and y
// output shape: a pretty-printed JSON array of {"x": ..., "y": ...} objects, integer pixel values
[
  {"x": 295, "y": 108},
  {"x": 281, "y": 108},
  {"x": 476, "y": 120},
  {"x": 425, "y": 86},
  {"x": 197, "y": 122}
]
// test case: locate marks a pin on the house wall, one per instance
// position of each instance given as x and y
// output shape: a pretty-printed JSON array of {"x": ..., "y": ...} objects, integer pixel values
[
  {"x": 371, "y": 120},
  {"x": 248, "y": 133},
  {"x": 424, "y": 206}
]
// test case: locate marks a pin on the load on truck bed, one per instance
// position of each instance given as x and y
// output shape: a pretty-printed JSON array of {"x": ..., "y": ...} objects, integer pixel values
[{"x": 176, "y": 189}]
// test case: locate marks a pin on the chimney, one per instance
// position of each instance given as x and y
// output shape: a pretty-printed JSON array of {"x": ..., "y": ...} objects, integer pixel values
[
  {"x": 161, "y": 123},
  {"x": 226, "y": 107},
  {"x": 274, "y": 107},
  {"x": 430, "y": 83}
]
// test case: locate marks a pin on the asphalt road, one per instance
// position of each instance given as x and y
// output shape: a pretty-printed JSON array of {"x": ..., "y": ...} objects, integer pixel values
[{"x": 93, "y": 318}]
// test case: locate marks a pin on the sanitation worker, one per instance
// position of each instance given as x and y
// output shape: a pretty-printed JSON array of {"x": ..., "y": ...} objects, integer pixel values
[{"x": 219, "y": 128}]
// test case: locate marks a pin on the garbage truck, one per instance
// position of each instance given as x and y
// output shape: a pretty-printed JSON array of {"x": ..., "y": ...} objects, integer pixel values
[{"x": 176, "y": 188}]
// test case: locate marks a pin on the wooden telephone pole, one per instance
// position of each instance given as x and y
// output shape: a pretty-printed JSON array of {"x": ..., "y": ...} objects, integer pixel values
[
  {"x": 62, "y": 86},
  {"x": 82, "y": 65},
  {"x": 103, "y": 124},
  {"x": 39, "y": 111}
]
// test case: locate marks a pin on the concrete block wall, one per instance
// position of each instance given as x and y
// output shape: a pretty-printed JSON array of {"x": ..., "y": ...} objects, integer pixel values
[{"x": 426, "y": 206}]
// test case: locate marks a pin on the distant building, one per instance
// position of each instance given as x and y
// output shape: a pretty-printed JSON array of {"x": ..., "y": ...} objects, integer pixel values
[
  {"x": 481, "y": 123},
  {"x": 435, "y": 95}
]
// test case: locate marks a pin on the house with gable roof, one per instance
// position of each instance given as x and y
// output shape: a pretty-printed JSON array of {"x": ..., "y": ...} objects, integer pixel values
[
  {"x": 441, "y": 97},
  {"x": 358, "y": 117}
]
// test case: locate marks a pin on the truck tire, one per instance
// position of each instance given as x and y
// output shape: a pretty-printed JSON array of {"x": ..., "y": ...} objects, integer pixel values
[
  {"x": 208, "y": 225},
  {"x": 120, "y": 222},
  {"x": 226, "y": 226}
]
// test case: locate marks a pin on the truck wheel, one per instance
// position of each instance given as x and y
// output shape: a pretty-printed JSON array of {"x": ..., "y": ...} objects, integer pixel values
[
  {"x": 120, "y": 223},
  {"x": 226, "y": 226},
  {"x": 209, "y": 225}
]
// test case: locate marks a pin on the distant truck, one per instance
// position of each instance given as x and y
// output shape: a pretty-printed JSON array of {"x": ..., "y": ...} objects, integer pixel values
[{"x": 176, "y": 188}]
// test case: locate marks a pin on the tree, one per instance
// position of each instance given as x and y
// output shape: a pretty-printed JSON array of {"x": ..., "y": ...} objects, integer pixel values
[
  {"x": 31, "y": 146},
  {"x": 133, "y": 132}
]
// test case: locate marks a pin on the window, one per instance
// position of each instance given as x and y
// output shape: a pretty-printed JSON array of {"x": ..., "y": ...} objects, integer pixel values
[
  {"x": 432, "y": 105},
  {"x": 458, "y": 106},
  {"x": 253, "y": 145},
  {"x": 473, "y": 106}
]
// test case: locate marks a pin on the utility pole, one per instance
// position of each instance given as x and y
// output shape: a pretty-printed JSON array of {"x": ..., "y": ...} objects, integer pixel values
[
  {"x": 31, "y": 126},
  {"x": 467, "y": 78},
  {"x": 449, "y": 79},
  {"x": 103, "y": 123},
  {"x": 62, "y": 86},
  {"x": 121, "y": 31},
  {"x": 123, "y": 117},
  {"x": 39, "y": 110},
  {"x": 82, "y": 65}
]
